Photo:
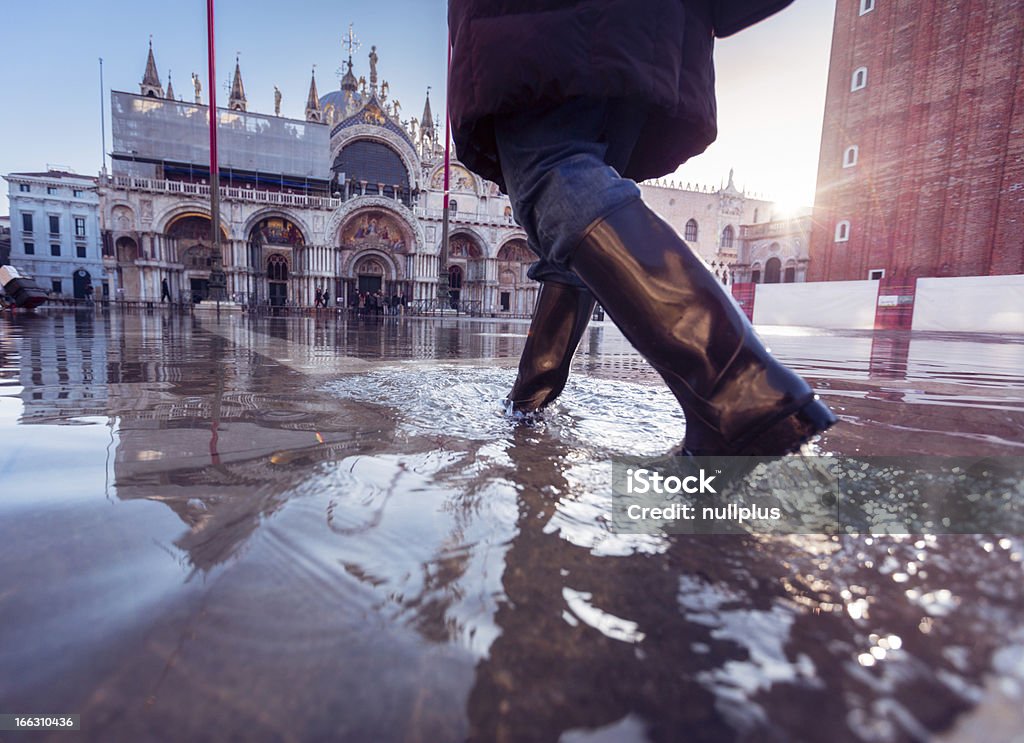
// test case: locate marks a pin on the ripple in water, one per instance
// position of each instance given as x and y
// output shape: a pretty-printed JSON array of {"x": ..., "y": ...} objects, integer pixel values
[{"x": 607, "y": 418}]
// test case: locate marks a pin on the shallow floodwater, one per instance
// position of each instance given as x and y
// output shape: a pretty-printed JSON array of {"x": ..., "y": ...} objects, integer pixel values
[{"x": 324, "y": 529}]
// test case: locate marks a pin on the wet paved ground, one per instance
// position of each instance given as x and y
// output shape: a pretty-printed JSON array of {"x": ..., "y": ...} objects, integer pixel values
[{"x": 320, "y": 529}]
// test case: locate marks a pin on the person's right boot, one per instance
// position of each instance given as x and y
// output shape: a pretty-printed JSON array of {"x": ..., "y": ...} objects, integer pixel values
[
  {"x": 559, "y": 319},
  {"x": 738, "y": 399}
]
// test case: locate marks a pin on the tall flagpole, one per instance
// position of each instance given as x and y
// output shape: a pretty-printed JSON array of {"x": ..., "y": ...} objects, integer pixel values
[
  {"x": 103, "y": 124},
  {"x": 218, "y": 280},
  {"x": 443, "y": 292}
]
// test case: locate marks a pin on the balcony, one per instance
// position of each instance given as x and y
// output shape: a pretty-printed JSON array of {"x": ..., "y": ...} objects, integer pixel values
[
  {"x": 251, "y": 195},
  {"x": 465, "y": 217}
]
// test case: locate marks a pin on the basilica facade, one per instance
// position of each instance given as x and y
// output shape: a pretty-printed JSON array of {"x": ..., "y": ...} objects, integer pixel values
[{"x": 347, "y": 201}]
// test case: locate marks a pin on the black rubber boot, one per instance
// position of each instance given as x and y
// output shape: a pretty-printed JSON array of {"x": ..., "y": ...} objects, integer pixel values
[
  {"x": 559, "y": 319},
  {"x": 738, "y": 400}
]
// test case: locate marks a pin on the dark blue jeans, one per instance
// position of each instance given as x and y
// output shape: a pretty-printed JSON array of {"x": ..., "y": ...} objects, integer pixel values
[{"x": 561, "y": 166}]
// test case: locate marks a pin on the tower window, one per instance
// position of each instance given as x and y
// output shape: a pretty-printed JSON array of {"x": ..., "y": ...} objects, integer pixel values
[
  {"x": 866, "y": 6},
  {"x": 727, "y": 236},
  {"x": 843, "y": 231},
  {"x": 876, "y": 274},
  {"x": 850, "y": 156},
  {"x": 691, "y": 230},
  {"x": 860, "y": 78}
]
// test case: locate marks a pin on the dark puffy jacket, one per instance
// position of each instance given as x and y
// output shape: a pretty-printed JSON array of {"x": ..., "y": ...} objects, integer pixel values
[{"x": 510, "y": 55}]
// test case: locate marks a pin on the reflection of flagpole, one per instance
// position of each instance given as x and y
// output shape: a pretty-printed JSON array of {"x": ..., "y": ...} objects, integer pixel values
[{"x": 442, "y": 277}]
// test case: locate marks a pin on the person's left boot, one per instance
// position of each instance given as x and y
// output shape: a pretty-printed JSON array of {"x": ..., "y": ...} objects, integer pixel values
[{"x": 559, "y": 320}]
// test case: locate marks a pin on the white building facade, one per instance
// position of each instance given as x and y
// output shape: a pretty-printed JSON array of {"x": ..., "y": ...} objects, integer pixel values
[{"x": 55, "y": 234}]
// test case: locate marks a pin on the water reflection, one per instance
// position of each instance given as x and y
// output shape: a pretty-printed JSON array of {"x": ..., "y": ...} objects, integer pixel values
[{"x": 323, "y": 529}]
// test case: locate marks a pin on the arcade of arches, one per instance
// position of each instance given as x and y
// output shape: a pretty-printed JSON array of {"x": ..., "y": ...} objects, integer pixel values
[{"x": 276, "y": 265}]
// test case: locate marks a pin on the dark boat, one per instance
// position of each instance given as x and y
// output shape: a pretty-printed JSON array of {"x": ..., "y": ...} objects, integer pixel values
[{"x": 21, "y": 290}]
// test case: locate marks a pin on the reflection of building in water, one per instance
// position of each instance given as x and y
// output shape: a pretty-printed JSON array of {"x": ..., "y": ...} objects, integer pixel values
[{"x": 63, "y": 372}]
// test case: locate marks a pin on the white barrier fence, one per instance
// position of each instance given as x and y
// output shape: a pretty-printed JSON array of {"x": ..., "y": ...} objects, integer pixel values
[
  {"x": 990, "y": 304},
  {"x": 973, "y": 304}
]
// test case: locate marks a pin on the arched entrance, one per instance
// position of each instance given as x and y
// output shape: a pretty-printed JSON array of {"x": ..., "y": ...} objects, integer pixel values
[
  {"x": 454, "y": 285},
  {"x": 370, "y": 275},
  {"x": 273, "y": 244},
  {"x": 516, "y": 291},
  {"x": 772, "y": 271},
  {"x": 277, "y": 279},
  {"x": 465, "y": 254},
  {"x": 189, "y": 238},
  {"x": 373, "y": 243},
  {"x": 128, "y": 281},
  {"x": 81, "y": 279}
]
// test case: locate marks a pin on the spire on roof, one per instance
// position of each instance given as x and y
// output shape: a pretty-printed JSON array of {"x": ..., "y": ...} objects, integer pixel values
[
  {"x": 170, "y": 87},
  {"x": 236, "y": 101},
  {"x": 349, "y": 82},
  {"x": 427, "y": 120},
  {"x": 313, "y": 112},
  {"x": 150, "y": 85}
]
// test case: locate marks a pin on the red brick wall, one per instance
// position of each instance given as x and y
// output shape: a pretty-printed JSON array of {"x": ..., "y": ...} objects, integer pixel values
[{"x": 938, "y": 189}]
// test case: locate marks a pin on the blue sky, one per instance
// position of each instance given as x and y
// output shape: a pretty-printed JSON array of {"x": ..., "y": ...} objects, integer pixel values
[{"x": 771, "y": 78}]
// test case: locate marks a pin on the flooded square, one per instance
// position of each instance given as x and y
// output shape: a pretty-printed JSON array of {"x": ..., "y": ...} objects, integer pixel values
[{"x": 324, "y": 528}]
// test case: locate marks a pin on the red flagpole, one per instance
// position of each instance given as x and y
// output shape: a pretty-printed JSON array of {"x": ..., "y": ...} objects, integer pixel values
[
  {"x": 212, "y": 82},
  {"x": 447, "y": 125},
  {"x": 444, "y": 294}
]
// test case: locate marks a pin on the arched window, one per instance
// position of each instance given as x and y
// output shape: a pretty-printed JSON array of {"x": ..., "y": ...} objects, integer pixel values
[
  {"x": 772, "y": 271},
  {"x": 789, "y": 275},
  {"x": 376, "y": 165},
  {"x": 453, "y": 206},
  {"x": 859, "y": 79},
  {"x": 277, "y": 268},
  {"x": 727, "y": 237},
  {"x": 843, "y": 231},
  {"x": 454, "y": 277},
  {"x": 850, "y": 156},
  {"x": 691, "y": 230}
]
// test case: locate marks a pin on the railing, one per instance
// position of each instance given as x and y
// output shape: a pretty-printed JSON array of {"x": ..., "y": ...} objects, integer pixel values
[
  {"x": 778, "y": 228},
  {"x": 472, "y": 307},
  {"x": 455, "y": 217},
  {"x": 155, "y": 185}
]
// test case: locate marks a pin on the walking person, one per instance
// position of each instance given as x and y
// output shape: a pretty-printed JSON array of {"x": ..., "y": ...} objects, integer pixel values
[
  {"x": 165, "y": 290},
  {"x": 566, "y": 121}
]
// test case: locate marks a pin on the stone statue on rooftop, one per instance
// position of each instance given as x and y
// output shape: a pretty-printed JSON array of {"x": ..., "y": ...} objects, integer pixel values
[
  {"x": 198, "y": 87},
  {"x": 277, "y": 101}
]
